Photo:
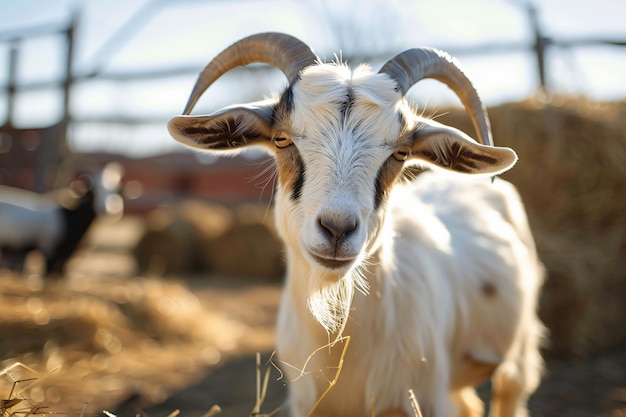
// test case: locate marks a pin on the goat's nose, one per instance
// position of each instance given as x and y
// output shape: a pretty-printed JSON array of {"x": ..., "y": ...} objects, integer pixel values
[{"x": 337, "y": 229}]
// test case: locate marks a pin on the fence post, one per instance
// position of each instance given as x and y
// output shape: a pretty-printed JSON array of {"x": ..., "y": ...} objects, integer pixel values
[
  {"x": 540, "y": 44},
  {"x": 12, "y": 82},
  {"x": 69, "y": 58},
  {"x": 66, "y": 157}
]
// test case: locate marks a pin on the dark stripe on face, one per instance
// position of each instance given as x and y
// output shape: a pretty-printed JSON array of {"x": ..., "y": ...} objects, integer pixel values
[
  {"x": 296, "y": 193},
  {"x": 285, "y": 104},
  {"x": 385, "y": 179},
  {"x": 379, "y": 191},
  {"x": 291, "y": 171}
]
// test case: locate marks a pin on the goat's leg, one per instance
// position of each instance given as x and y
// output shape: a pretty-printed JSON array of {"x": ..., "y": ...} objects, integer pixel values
[
  {"x": 302, "y": 397},
  {"x": 467, "y": 402},
  {"x": 14, "y": 259},
  {"x": 518, "y": 377},
  {"x": 509, "y": 392}
]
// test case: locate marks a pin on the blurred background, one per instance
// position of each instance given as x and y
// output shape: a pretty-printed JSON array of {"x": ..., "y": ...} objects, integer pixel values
[{"x": 143, "y": 301}]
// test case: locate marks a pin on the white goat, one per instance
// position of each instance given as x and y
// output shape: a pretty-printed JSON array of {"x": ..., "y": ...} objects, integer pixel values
[
  {"x": 445, "y": 263},
  {"x": 31, "y": 221}
]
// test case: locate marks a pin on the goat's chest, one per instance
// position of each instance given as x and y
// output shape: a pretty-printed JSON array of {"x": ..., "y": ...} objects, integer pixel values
[{"x": 370, "y": 371}]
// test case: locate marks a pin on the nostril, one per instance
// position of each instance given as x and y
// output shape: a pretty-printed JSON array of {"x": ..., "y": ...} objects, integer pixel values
[{"x": 337, "y": 229}]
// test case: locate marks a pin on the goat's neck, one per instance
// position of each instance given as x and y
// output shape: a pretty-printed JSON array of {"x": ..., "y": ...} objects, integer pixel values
[{"x": 308, "y": 285}]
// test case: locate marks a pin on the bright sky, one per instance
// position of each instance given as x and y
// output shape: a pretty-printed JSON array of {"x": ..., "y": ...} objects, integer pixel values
[{"x": 161, "y": 34}]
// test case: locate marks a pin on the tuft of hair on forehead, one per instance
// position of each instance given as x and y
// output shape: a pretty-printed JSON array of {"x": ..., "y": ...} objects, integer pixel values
[
  {"x": 316, "y": 81},
  {"x": 328, "y": 90},
  {"x": 377, "y": 88},
  {"x": 377, "y": 104},
  {"x": 318, "y": 84}
]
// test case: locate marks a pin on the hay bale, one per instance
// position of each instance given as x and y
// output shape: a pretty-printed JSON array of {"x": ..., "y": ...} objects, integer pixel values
[
  {"x": 168, "y": 244},
  {"x": 246, "y": 250},
  {"x": 200, "y": 237},
  {"x": 233, "y": 242},
  {"x": 249, "y": 248},
  {"x": 572, "y": 178}
]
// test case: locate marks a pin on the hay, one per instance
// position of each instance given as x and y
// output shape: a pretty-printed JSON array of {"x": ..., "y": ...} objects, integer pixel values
[
  {"x": 172, "y": 239},
  {"x": 112, "y": 338},
  {"x": 250, "y": 247},
  {"x": 572, "y": 178},
  {"x": 199, "y": 237}
]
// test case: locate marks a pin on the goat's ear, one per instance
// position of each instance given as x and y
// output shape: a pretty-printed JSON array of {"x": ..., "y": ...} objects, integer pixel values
[
  {"x": 228, "y": 130},
  {"x": 451, "y": 149}
]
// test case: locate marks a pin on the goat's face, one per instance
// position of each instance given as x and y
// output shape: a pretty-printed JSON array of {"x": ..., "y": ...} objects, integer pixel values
[{"x": 334, "y": 150}]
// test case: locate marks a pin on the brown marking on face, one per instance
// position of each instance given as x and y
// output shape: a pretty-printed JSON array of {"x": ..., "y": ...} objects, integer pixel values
[
  {"x": 391, "y": 170},
  {"x": 291, "y": 171},
  {"x": 387, "y": 176},
  {"x": 290, "y": 166}
]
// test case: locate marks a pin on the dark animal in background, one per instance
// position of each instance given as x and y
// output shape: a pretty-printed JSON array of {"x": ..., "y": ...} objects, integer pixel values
[{"x": 52, "y": 225}]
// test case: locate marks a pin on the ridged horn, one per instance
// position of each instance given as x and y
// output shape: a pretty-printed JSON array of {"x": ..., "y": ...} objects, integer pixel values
[
  {"x": 285, "y": 52},
  {"x": 413, "y": 65}
]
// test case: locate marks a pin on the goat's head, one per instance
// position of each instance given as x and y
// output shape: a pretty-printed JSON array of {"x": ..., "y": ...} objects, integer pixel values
[{"x": 340, "y": 138}]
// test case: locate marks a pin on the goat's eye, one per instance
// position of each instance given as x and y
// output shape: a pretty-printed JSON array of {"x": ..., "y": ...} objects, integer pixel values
[
  {"x": 402, "y": 153},
  {"x": 282, "y": 141}
]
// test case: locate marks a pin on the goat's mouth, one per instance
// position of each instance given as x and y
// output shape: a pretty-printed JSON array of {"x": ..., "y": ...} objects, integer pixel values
[{"x": 332, "y": 263}]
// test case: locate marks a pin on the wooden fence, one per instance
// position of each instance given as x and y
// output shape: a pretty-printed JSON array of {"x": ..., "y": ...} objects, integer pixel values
[{"x": 28, "y": 166}]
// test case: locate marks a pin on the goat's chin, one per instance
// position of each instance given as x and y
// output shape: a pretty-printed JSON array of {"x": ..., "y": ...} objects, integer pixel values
[
  {"x": 333, "y": 267},
  {"x": 324, "y": 262}
]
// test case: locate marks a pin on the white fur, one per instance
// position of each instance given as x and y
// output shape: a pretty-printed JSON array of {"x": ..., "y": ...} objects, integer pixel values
[
  {"x": 424, "y": 310},
  {"x": 28, "y": 219},
  {"x": 420, "y": 310}
]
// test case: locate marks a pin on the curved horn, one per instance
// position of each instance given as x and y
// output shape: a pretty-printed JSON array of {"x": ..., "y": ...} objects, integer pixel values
[
  {"x": 282, "y": 51},
  {"x": 413, "y": 65}
]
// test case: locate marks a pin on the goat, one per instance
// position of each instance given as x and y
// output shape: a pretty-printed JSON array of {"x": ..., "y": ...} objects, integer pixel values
[
  {"x": 433, "y": 279},
  {"x": 30, "y": 221}
]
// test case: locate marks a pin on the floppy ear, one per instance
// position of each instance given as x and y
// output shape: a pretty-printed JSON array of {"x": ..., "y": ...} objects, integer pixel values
[
  {"x": 451, "y": 149},
  {"x": 228, "y": 130}
]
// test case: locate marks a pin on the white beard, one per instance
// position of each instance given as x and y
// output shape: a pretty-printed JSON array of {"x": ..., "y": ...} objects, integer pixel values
[{"x": 330, "y": 299}]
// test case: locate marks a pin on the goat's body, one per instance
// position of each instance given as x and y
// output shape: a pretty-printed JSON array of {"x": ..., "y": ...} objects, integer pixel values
[
  {"x": 28, "y": 220},
  {"x": 459, "y": 261}
]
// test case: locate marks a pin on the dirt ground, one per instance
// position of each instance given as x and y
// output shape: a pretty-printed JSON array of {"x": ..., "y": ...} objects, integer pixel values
[{"x": 203, "y": 348}]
